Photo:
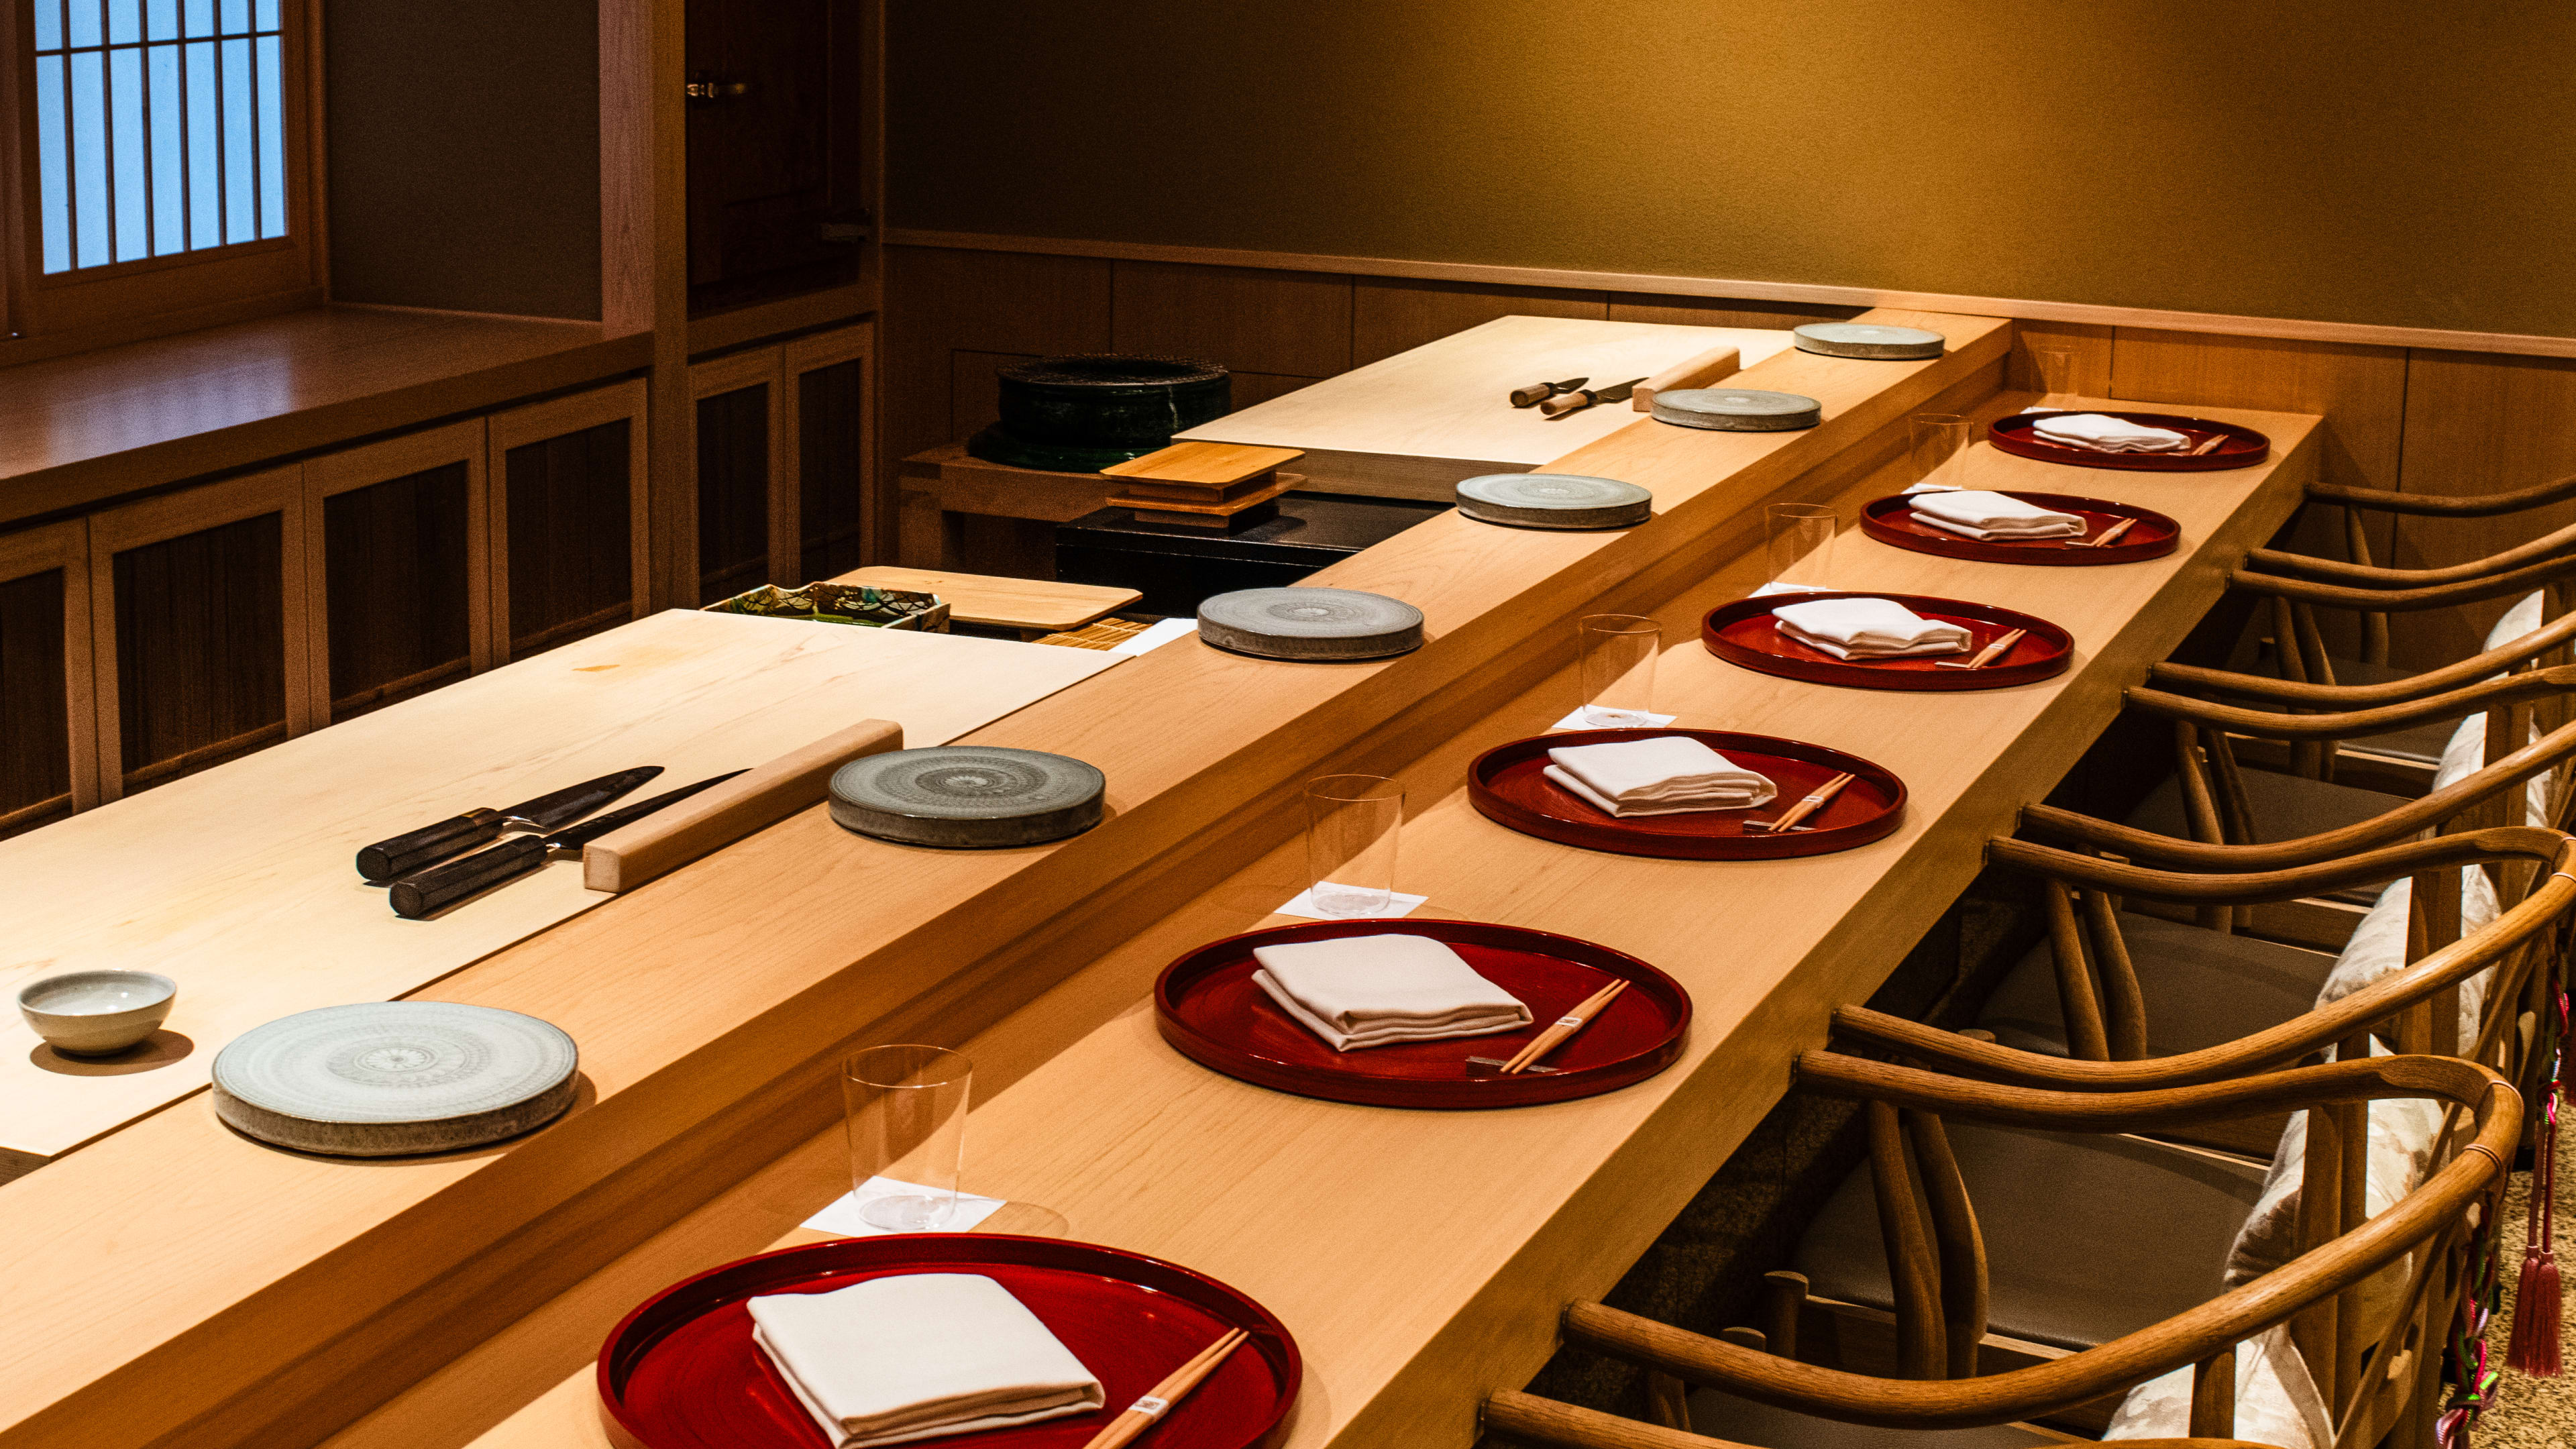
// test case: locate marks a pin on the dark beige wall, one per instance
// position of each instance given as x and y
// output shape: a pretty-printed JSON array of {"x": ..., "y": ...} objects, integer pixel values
[{"x": 2401, "y": 164}]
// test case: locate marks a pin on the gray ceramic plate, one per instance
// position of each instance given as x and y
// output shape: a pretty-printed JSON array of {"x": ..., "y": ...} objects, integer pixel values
[
  {"x": 1311, "y": 624},
  {"x": 383, "y": 1078},
  {"x": 1554, "y": 500},
  {"x": 1864, "y": 339},
  {"x": 975, "y": 797},
  {"x": 1737, "y": 410}
]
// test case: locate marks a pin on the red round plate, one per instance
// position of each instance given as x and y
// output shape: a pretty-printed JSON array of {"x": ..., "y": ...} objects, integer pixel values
[
  {"x": 2016, "y": 433},
  {"x": 1744, "y": 633},
  {"x": 1211, "y": 1011},
  {"x": 682, "y": 1371},
  {"x": 1507, "y": 787},
  {"x": 1891, "y": 520}
]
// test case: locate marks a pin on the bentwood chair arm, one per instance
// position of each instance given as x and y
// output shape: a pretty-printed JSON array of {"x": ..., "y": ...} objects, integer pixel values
[
  {"x": 2436, "y": 505},
  {"x": 1518, "y": 1418},
  {"x": 2520, "y": 580},
  {"x": 2377, "y": 576},
  {"x": 2193, "y": 1337},
  {"x": 2490, "y": 693},
  {"x": 2363, "y": 696}
]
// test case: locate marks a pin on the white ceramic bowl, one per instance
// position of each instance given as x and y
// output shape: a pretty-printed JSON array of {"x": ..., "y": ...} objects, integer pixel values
[{"x": 91, "y": 1013}]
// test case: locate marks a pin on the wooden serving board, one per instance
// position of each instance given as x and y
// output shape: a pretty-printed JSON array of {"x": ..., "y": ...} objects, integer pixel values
[{"x": 239, "y": 884}]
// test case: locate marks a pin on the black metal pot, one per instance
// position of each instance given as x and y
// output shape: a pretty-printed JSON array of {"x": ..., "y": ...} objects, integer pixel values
[{"x": 1081, "y": 414}]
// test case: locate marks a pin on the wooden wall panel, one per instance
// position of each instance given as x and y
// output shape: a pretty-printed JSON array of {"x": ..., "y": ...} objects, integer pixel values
[
  {"x": 1397, "y": 314},
  {"x": 974, "y": 397},
  {"x": 1297, "y": 323},
  {"x": 2091, "y": 345},
  {"x": 2478, "y": 423}
]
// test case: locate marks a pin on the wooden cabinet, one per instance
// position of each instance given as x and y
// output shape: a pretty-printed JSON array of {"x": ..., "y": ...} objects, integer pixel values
[
  {"x": 48, "y": 738},
  {"x": 398, "y": 562},
  {"x": 567, "y": 519},
  {"x": 781, "y": 104},
  {"x": 785, "y": 449},
  {"x": 198, "y": 614}
]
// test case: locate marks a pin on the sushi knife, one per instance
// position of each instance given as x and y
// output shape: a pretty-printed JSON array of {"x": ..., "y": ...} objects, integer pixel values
[
  {"x": 415, "y": 896},
  {"x": 1584, "y": 397},
  {"x": 1539, "y": 392},
  {"x": 387, "y": 859}
]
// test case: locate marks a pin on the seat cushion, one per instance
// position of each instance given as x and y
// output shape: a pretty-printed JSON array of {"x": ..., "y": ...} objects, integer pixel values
[
  {"x": 2284, "y": 807},
  {"x": 2202, "y": 988},
  {"x": 2089, "y": 1237},
  {"x": 2377, "y": 949},
  {"x": 1742, "y": 1421},
  {"x": 2276, "y": 1400}
]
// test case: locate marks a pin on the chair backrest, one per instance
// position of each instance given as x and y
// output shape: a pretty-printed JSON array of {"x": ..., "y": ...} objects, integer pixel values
[{"x": 2369, "y": 1372}]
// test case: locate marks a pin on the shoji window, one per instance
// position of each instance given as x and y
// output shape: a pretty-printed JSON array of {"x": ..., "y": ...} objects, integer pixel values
[{"x": 161, "y": 149}]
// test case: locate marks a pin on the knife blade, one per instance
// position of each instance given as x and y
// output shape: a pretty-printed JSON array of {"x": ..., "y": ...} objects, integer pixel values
[
  {"x": 415, "y": 896},
  {"x": 387, "y": 859},
  {"x": 1584, "y": 397},
  {"x": 1539, "y": 392}
]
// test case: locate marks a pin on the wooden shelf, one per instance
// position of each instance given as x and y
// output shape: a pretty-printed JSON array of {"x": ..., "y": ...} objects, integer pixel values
[{"x": 77, "y": 431}]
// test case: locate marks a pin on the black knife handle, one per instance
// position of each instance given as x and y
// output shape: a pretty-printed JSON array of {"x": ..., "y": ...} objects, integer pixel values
[
  {"x": 408, "y": 852},
  {"x": 441, "y": 886}
]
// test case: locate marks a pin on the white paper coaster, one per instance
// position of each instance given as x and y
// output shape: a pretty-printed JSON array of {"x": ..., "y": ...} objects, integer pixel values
[
  {"x": 1581, "y": 720},
  {"x": 842, "y": 1216},
  {"x": 1304, "y": 905},
  {"x": 1785, "y": 586},
  {"x": 1156, "y": 636}
]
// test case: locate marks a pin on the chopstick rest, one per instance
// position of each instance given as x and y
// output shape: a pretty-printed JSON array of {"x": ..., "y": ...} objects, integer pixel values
[{"x": 1175, "y": 1387}]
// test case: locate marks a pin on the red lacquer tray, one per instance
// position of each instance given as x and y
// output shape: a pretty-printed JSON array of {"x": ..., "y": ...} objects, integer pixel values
[
  {"x": 1211, "y": 1011},
  {"x": 682, "y": 1371},
  {"x": 1507, "y": 787},
  {"x": 2016, "y": 434},
  {"x": 1891, "y": 520},
  {"x": 1745, "y": 633}
]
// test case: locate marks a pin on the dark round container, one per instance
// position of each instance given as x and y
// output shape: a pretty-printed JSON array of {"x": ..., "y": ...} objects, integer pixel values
[{"x": 1082, "y": 414}]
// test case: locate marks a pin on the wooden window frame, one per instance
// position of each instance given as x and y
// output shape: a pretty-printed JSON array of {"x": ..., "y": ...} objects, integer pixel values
[
  {"x": 65, "y": 546},
  {"x": 344, "y": 472},
  {"x": 45, "y": 315},
  {"x": 536, "y": 423},
  {"x": 799, "y": 356},
  {"x": 157, "y": 520}
]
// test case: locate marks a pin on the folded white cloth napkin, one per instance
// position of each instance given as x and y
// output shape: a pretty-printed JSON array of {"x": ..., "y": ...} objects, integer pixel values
[
  {"x": 1365, "y": 991},
  {"x": 1868, "y": 629},
  {"x": 2106, "y": 434},
  {"x": 1665, "y": 775},
  {"x": 1980, "y": 514},
  {"x": 895, "y": 1359}
]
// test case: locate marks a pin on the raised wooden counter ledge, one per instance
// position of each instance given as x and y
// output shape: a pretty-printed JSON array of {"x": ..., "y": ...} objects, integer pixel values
[{"x": 178, "y": 1286}]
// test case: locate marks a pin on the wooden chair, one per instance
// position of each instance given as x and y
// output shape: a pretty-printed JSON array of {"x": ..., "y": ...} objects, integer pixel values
[{"x": 2373, "y": 1377}]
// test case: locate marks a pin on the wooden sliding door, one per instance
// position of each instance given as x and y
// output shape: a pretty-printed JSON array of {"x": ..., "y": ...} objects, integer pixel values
[
  {"x": 48, "y": 734},
  {"x": 746, "y": 531},
  {"x": 832, "y": 423},
  {"x": 399, "y": 565},
  {"x": 567, "y": 519}
]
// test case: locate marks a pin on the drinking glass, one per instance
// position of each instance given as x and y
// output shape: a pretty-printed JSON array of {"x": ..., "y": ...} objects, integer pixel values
[
  {"x": 1618, "y": 669},
  {"x": 1939, "y": 439},
  {"x": 2055, "y": 367},
  {"x": 1351, "y": 826},
  {"x": 905, "y": 1106},
  {"x": 1802, "y": 543}
]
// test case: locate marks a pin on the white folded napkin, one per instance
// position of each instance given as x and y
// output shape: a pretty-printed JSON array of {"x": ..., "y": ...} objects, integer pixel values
[
  {"x": 1365, "y": 991},
  {"x": 895, "y": 1359},
  {"x": 1665, "y": 775},
  {"x": 1868, "y": 629},
  {"x": 2106, "y": 434},
  {"x": 1980, "y": 514}
]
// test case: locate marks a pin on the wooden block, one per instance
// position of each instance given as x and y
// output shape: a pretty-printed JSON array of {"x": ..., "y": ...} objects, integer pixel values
[
  {"x": 1012, "y": 603},
  {"x": 1182, "y": 510},
  {"x": 1213, "y": 465},
  {"x": 668, "y": 839},
  {"x": 1708, "y": 367}
]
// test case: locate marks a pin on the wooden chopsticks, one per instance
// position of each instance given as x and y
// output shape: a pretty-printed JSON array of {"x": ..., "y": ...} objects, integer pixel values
[
  {"x": 1175, "y": 1387},
  {"x": 2002, "y": 646},
  {"x": 2211, "y": 445},
  {"x": 2107, "y": 536},
  {"x": 1567, "y": 1025},
  {"x": 1816, "y": 800}
]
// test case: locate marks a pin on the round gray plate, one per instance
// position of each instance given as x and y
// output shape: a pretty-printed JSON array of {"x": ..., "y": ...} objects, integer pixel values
[
  {"x": 1311, "y": 624},
  {"x": 968, "y": 796},
  {"x": 1738, "y": 410},
  {"x": 1864, "y": 339},
  {"x": 385, "y": 1078},
  {"x": 1554, "y": 500}
]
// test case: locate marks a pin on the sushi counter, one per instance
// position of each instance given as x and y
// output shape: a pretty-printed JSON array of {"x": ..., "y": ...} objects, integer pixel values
[{"x": 177, "y": 1282}]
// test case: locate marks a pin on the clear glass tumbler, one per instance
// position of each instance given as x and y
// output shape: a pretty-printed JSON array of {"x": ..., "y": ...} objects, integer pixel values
[
  {"x": 1352, "y": 822},
  {"x": 1618, "y": 669},
  {"x": 1939, "y": 440},
  {"x": 1802, "y": 543},
  {"x": 905, "y": 1107},
  {"x": 2055, "y": 369}
]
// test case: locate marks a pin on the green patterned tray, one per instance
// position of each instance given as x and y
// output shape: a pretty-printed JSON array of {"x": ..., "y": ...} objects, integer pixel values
[{"x": 869, "y": 608}]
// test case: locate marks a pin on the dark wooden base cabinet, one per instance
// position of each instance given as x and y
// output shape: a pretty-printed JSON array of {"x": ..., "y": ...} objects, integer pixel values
[
  {"x": 48, "y": 731},
  {"x": 400, "y": 559},
  {"x": 785, "y": 437},
  {"x": 568, "y": 519}
]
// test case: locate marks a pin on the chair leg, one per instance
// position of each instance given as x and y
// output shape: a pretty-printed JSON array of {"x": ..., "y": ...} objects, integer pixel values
[{"x": 1668, "y": 1398}]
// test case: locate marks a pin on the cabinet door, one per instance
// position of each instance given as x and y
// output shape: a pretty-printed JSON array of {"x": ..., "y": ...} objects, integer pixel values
[
  {"x": 48, "y": 732},
  {"x": 746, "y": 529},
  {"x": 198, "y": 612},
  {"x": 398, "y": 569},
  {"x": 833, "y": 424},
  {"x": 567, "y": 519}
]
